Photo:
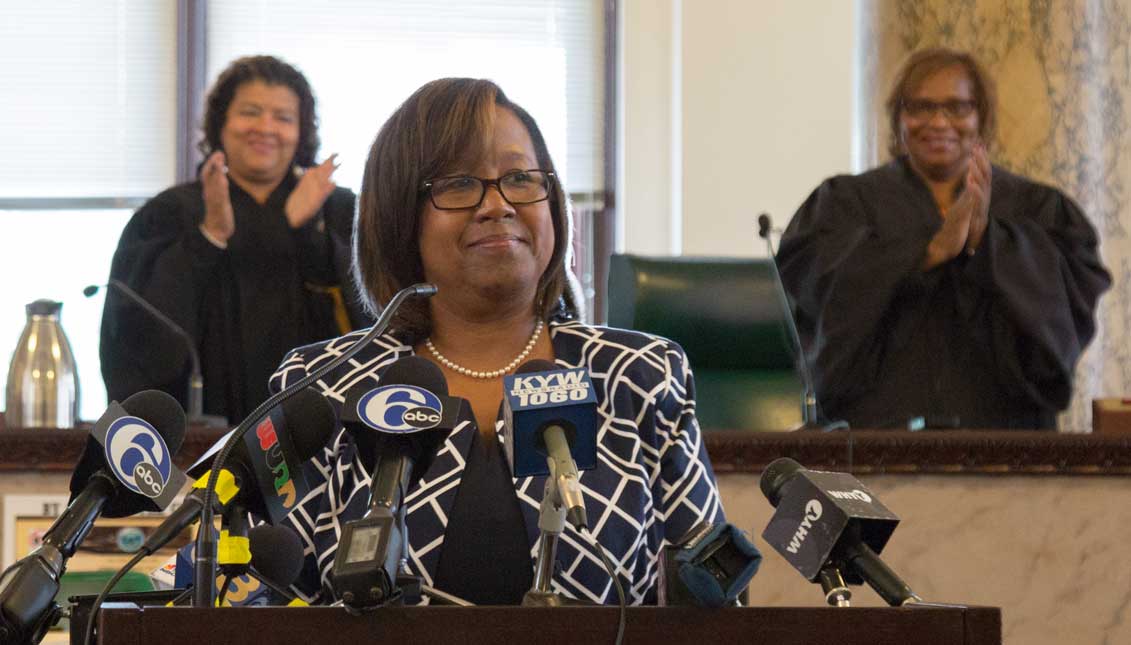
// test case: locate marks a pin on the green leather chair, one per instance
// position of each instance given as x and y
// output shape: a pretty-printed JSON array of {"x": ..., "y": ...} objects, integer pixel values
[{"x": 728, "y": 317}]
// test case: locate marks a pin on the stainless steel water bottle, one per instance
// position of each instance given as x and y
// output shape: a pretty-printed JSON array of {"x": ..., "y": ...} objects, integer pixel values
[{"x": 43, "y": 384}]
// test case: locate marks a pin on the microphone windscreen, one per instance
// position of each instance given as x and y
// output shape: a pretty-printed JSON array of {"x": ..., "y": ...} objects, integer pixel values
[
  {"x": 90, "y": 290},
  {"x": 536, "y": 365},
  {"x": 775, "y": 477},
  {"x": 162, "y": 412},
  {"x": 311, "y": 421},
  {"x": 763, "y": 225},
  {"x": 276, "y": 553},
  {"x": 414, "y": 370}
]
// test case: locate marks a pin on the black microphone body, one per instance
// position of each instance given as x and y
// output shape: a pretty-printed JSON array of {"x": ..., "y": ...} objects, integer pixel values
[
  {"x": 28, "y": 587},
  {"x": 860, "y": 557},
  {"x": 829, "y": 523}
]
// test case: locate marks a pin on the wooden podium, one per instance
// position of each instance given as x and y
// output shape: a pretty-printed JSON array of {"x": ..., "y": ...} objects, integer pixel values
[{"x": 561, "y": 625}]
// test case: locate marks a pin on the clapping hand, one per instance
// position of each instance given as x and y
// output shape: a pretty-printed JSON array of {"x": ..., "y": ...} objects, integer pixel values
[
  {"x": 965, "y": 223},
  {"x": 978, "y": 176},
  {"x": 313, "y": 188},
  {"x": 219, "y": 221}
]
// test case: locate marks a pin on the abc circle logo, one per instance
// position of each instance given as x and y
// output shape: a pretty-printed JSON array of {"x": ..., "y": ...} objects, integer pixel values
[
  {"x": 400, "y": 409},
  {"x": 138, "y": 456}
]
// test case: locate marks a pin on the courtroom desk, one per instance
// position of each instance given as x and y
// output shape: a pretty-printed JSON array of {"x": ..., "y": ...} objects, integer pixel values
[
  {"x": 1029, "y": 522},
  {"x": 557, "y": 625},
  {"x": 1034, "y": 523}
]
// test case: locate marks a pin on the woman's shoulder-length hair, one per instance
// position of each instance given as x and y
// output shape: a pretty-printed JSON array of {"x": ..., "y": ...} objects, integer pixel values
[
  {"x": 924, "y": 62},
  {"x": 271, "y": 71},
  {"x": 444, "y": 123}
]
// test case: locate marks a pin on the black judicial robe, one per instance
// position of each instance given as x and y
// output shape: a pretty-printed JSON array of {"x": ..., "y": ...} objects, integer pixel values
[
  {"x": 274, "y": 288},
  {"x": 983, "y": 341}
]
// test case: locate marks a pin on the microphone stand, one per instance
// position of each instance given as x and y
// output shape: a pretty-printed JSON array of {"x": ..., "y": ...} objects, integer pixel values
[
  {"x": 204, "y": 565},
  {"x": 551, "y": 523},
  {"x": 837, "y": 593}
]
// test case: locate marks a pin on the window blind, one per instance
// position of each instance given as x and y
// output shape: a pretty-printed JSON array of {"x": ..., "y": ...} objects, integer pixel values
[{"x": 364, "y": 57}]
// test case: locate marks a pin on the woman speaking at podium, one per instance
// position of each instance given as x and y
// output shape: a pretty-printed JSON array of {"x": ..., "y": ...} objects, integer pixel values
[
  {"x": 251, "y": 260},
  {"x": 460, "y": 191},
  {"x": 938, "y": 287}
]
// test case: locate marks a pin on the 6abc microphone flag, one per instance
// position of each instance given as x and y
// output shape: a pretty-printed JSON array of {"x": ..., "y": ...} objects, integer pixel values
[{"x": 126, "y": 468}]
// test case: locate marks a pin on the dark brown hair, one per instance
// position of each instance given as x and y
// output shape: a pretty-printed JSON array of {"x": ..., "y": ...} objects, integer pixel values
[
  {"x": 271, "y": 71},
  {"x": 921, "y": 64},
  {"x": 445, "y": 122}
]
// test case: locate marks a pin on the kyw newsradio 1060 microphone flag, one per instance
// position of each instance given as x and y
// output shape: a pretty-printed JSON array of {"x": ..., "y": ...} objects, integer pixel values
[
  {"x": 398, "y": 427},
  {"x": 550, "y": 417},
  {"x": 828, "y": 519},
  {"x": 126, "y": 468}
]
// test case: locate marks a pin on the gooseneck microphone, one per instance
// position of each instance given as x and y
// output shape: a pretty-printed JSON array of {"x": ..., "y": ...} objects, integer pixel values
[
  {"x": 809, "y": 396},
  {"x": 126, "y": 468},
  {"x": 828, "y": 525},
  {"x": 195, "y": 400},
  {"x": 204, "y": 565}
]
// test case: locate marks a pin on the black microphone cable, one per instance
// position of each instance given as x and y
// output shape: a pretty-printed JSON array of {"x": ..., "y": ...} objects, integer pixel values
[
  {"x": 88, "y": 633},
  {"x": 204, "y": 567},
  {"x": 616, "y": 583}
]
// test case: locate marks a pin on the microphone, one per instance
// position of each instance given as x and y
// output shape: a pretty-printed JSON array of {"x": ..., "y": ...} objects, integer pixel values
[
  {"x": 195, "y": 398},
  {"x": 764, "y": 227},
  {"x": 276, "y": 559},
  {"x": 825, "y": 518},
  {"x": 264, "y": 475},
  {"x": 709, "y": 566},
  {"x": 809, "y": 396},
  {"x": 204, "y": 565},
  {"x": 397, "y": 427},
  {"x": 550, "y": 424},
  {"x": 126, "y": 468}
]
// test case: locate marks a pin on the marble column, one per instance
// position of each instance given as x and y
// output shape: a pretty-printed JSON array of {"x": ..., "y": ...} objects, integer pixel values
[{"x": 1063, "y": 69}]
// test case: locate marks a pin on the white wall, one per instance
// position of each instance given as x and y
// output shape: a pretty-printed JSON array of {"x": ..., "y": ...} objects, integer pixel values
[
  {"x": 648, "y": 127},
  {"x": 729, "y": 108}
]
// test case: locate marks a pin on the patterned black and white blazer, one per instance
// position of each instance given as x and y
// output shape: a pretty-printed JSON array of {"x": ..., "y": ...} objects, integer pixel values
[{"x": 653, "y": 480}]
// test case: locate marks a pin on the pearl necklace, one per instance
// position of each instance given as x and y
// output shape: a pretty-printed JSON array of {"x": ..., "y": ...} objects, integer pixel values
[{"x": 493, "y": 374}]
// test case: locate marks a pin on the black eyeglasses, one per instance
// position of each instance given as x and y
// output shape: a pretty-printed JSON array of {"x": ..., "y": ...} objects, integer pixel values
[
  {"x": 925, "y": 109},
  {"x": 464, "y": 191}
]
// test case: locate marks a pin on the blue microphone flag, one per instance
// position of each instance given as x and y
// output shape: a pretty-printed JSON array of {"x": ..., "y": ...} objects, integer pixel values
[
  {"x": 534, "y": 400},
  {"x": 138, "y": 456}
]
